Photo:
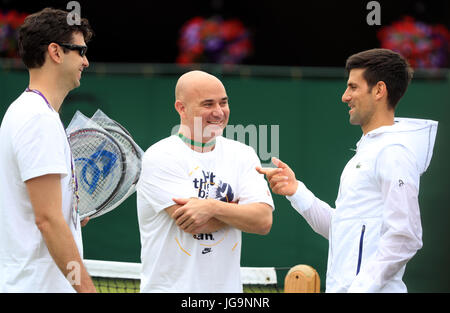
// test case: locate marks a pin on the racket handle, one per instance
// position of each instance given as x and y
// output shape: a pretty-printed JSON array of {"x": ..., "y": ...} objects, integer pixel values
[{"x": 302, "y": 279}]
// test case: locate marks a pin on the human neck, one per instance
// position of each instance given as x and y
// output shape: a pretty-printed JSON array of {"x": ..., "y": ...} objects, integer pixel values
[
  {"x": 50, "y": 87},
  {"x": 386, "y": 119},
  {"x": 198, "y": 146}
]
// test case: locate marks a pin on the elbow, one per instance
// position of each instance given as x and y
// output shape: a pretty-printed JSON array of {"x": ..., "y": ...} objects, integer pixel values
[
  {"x": 45, "y": 222},
  {"x": 42, "y": 223},
  {"x": 44, "y": 228},
  {"x": 265, "y": 226},
  {"x": 265, "y": 230}
]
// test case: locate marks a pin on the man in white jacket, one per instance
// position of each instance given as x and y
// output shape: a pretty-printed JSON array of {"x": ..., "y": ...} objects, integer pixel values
[{"x": 375, "y": 228}]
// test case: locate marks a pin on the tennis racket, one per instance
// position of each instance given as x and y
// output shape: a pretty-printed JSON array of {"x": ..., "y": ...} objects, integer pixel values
[
  {"x": 100, "y": 166},
  {"x": 133, "y": 171}
]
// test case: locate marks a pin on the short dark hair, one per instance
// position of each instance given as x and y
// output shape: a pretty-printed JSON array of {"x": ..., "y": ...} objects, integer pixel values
[
  {"x": 383, "y": 65},
  {"x": 44, "y": 27}
]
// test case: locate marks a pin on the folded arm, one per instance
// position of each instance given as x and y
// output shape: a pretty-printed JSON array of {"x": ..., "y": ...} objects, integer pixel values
[
  {"x": 210, "y": 226},
  {"x": 194, "y": 214}
]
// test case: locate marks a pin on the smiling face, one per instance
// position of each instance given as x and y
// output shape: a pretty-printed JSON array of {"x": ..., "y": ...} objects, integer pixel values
[
  {"x": 202, "y": 103},
  {"x": 359, "y": 98},
  {"x": 74, "y": 63}
]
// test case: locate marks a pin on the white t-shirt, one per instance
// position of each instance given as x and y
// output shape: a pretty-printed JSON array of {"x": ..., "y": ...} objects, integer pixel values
[
  {"x": 175, "y": 261},
  {"x": 32, "y": 143}
]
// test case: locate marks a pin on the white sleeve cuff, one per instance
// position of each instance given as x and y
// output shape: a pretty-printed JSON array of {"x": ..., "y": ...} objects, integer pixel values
[{"x": 302, "y": 199}]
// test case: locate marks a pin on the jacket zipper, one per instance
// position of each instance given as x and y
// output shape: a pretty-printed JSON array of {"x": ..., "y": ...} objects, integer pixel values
[{"x": 361, "y": 240}]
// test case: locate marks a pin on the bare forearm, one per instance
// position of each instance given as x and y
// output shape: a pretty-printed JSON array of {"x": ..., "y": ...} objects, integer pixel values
[
  {"x": 251, "y": 218},
  {"x": 190, "y": 214},
  {"x": 45, "y": 196},
  {"x": 209, "y": 227},
  {"x": 64, "y": 251}
]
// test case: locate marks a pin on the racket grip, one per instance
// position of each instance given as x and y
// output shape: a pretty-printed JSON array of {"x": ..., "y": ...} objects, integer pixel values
[{"x": 302, "y": 279}]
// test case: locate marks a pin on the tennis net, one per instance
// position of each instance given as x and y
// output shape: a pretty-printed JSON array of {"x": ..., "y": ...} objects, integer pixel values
[{"x": 124, "y": 277}]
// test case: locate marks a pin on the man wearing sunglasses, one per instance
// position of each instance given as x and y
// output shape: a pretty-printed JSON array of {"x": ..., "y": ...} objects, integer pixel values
[{"x": 40, "y": 235}]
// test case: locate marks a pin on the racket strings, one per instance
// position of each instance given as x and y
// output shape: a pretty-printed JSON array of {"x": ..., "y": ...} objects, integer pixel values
[
  {"x": 100, "y": 165},
  {"x": 132, "y": 173},
  {"x": 107, "y": 162}
]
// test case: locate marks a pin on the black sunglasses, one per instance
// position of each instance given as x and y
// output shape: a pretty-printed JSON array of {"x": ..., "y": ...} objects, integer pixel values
[{"x": 81, "y": 49}]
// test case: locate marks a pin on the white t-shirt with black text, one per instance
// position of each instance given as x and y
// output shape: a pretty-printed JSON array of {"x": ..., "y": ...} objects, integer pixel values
[{"x": 173, "y": 260}]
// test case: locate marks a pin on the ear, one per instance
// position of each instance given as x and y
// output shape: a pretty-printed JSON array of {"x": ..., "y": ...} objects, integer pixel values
[
  {"x": 180, "y": 107},
  {"x": 55, "y": 53},
  {"x": 380, "y": 91}
]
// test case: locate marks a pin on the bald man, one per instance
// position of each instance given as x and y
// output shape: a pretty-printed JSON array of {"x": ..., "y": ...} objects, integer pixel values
[{"x": 197, "y": 192}]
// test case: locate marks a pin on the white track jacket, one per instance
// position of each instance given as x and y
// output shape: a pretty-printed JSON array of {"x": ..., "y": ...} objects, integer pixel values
[{"x": 375, "y": 229}]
